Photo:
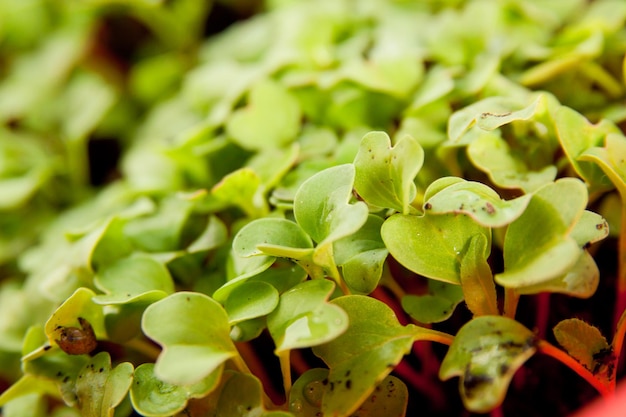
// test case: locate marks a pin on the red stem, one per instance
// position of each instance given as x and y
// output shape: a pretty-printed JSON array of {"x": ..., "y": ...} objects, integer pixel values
[{"x": 560, "y": 355}]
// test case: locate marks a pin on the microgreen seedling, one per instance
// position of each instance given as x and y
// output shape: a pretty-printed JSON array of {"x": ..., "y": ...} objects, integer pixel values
[{"x": 326, "y": 208}]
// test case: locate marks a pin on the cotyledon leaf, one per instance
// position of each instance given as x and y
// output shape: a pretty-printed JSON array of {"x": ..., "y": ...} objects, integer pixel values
[
  {"x": 582, "y": 341},
  {"x": 485, "y": 354},
  {"x": 385, "y": 174},
  {"x": 477, "y": 200},
  {"x": 364, "y": 354},
  {"x": 304, "y": 318},
  {"x": 100, "y": 388},
  {"x": 389, "y": 399},
  {"x": 152, "y": 396},
  {"x": 194, "y": 332},
  {"x": 537, "y": 245},
  {"x": 432, "y": 245}
]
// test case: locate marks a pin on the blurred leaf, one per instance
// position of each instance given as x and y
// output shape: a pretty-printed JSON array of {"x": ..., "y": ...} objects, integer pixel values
[
  {"x": 271, "y": 119},
  {"x": 133, "y": 279}
]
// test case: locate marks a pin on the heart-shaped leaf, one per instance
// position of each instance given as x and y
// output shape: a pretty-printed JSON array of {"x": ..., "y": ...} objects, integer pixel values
[
  {"x": 271, "y": 119},
  {"x": 537, "y": 246},
  {"x": 476, "y": 200},
  {"x": 385, "y": 174},
  {"x": 152, "y": 396},
  {"x": 304, "y": 318},
  {"x": 194, "y": 332},
  {"x": 432, "y": 245},
  {"x": 99, "y": 389},
  {"x": 389, "y": 399},
  {"x": 133, "y": 279},
  {"x": 435, "y": 306},
  {"x": 485, "y": 354},
  {"x": 365, "y": 354}
]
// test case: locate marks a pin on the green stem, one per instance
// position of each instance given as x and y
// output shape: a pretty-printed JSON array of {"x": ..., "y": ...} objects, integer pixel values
[
  {"x": 558, "y": 354},
  {"x": 511, "y": 299},
  {"x": 144, "y": 347},
  {"x": 434, "y": 336},
  {"x": 285, "y": 368}
]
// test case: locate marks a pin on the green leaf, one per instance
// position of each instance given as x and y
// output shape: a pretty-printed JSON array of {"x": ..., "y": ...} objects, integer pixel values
[
  {"x": 304, "y": 318},
  {"x": 240, "y": 395},
  {"x": 389, "y": 399},
  {"x": 507, "y": 168},
  {"x": 166, "y": 229},
  {"x": 361, "y": 256},
  {"x": 365, "y": 354},
  {"x": 385, "y": 174},
  {"x": 476, "y": 200},
  {"x": 79, "y": 306},
  {"x": 485, "y": 354},
  {"x": 479, "y": 289},
  {"x": 611, "y": 159},
  {"x": 435, "y": 306},
  {"x": 133, "y": 279},
  {"x": 250, "y": 300},
  {"x": 25, "y": 388},
  {"x": 274, "y": 235},
  {"x": 583, "y": 342},
  {"x": 193, "y": 346},
  {"x": 577, "y": 136},
  {"x": 32, "y": 405},
  {"x": 537, "y": 246},
  {"x": 322, "y": 208},
  {"x": 152, "y": 396},
  {"x": 489, "y": 114},
  {"x": 99, "y": 389},
  {"x": 281, "y": 274},
  {"x": 271, "y": 119},
  {"x": 432, "y": 245},
  {"x": 242, "y": 189}
]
